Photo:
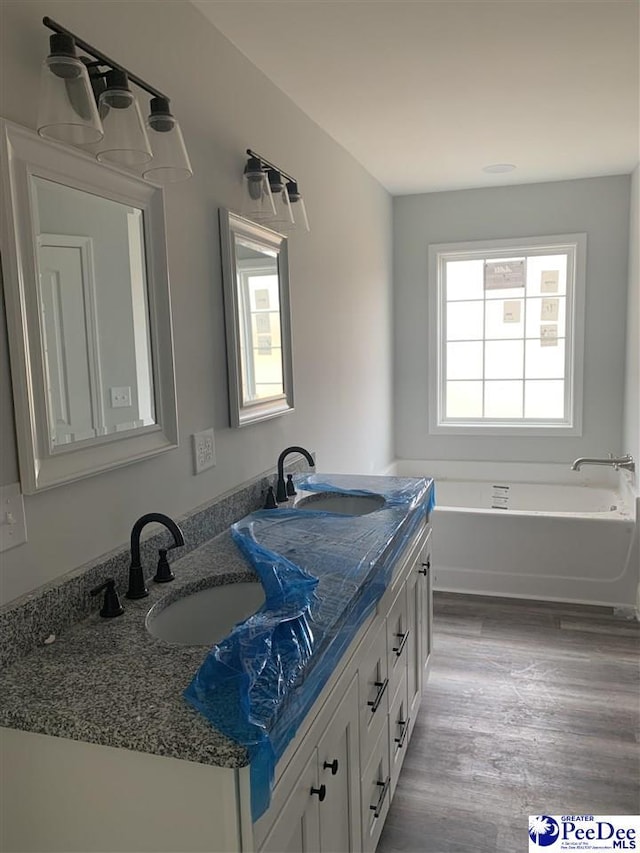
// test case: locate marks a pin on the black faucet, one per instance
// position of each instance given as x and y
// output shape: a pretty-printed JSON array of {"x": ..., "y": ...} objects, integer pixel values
[
  {"x": 137, "y": 586},
  {"x": 281, "y": 486}
]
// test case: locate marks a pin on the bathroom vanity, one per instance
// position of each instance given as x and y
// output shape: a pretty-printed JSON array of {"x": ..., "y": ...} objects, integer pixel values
[
  {"x": 100, "y": 751},
  {"x": 335, "y": 783}
]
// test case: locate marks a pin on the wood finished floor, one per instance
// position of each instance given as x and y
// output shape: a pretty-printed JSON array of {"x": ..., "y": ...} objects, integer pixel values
[{"x": 530, "y": 708}]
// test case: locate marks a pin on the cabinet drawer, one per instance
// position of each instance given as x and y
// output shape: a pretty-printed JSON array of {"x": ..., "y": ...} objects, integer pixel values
[
  {"x": 375, "y": 785},
  {"x": 399, "y": 732},
  {"x": 398, "y": 639},
  {"x": 373, "y": 689}
]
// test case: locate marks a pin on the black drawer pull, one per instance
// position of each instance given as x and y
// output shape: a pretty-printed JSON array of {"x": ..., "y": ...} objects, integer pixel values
[
  {"x": 333, "y": 766},
  {"x": 425, "y": 567},
  {"x": 405, "y": 729},
  {"x": 382, "y": 686},
  {"x": 321, "y": 792},
  {"x": 403, "y": 641},
  {"x": 377, "y": 809}
]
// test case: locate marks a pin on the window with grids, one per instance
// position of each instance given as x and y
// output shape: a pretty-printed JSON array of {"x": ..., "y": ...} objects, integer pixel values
[{"x": 507, "y": 329}]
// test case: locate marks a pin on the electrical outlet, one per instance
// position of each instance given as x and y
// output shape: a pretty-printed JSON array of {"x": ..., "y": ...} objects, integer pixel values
[
  {"x": 13, "y": 529},
  {"x": 120, "y": 396},
  {"x": 204, "y": 450}
]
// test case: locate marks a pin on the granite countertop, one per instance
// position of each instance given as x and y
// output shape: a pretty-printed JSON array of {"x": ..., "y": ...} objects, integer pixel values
[{"x": 109, "y": 682}]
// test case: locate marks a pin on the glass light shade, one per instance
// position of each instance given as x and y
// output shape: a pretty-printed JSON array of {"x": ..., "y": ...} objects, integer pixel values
[
  {"x": 257, "y": 201},
  {"x": 298, "y": 209},
  {"x": 125, "y": 139},
  {"x": 283, "y": 217},
  {"x": 170, "y": 161},
  {"x": 67, "y": 110}
]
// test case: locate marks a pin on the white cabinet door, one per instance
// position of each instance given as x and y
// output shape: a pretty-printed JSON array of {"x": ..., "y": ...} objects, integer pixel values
[
  {"x": 426, "y": 596},
  {"x": 414, "y": 651},
  {"x": 339, "y": 774},
  {"x": 297, "y": 827}
]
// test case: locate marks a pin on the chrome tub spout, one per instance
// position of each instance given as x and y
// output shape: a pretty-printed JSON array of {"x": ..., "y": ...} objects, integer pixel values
[{"x": 616, "y": 462}]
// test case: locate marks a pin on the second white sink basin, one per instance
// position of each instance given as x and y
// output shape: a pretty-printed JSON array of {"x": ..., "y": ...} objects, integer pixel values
[
  {"x": 341, "y": 503},
  {"x": 207, "y": 616}
]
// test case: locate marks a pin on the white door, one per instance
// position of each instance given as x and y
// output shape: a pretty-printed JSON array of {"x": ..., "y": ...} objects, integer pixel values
[{"x": 69, "y": 342}]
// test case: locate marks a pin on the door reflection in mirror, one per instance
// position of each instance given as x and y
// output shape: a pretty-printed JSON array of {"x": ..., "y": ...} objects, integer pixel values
[
  {"x": 94, "y": 314},
  {"x": 260, "y": 328}
]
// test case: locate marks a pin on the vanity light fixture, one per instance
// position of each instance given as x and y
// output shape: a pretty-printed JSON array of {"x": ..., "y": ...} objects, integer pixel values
[
  {"x": 86, "y": 100},
  {"x": 272, "y": 197}
]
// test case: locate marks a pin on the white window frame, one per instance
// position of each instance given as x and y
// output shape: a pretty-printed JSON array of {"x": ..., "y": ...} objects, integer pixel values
[{"x": 576, "y": 247}]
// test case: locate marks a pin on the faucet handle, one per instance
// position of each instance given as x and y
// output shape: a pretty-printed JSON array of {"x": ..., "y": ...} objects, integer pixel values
[
  {"x": 163, "y": 572},
  {"x": 270, "y": 502},
  {"x": 291, "y": 489},
  {"x": 111, "y": 606}
]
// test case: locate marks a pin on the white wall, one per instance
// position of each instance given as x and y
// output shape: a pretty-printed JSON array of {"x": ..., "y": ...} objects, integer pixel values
[
  {"x": 631, "y": 439},
  {"x": 340, "y": 281},
  {"x": 599, "y": 207}
]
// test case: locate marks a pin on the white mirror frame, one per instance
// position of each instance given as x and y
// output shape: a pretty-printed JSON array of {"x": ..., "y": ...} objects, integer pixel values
[
  {"x": 242, "y": 413},
  {"x": 23, "y": 155}
]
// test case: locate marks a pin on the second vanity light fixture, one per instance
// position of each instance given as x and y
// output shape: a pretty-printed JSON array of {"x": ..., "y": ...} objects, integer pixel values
[
  {"x": 87, "y": 101},
  {"x": 272, "y": 197}
]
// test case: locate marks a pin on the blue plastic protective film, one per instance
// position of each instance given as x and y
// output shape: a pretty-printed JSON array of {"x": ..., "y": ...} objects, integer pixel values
[{"x": 323, "y": 574}]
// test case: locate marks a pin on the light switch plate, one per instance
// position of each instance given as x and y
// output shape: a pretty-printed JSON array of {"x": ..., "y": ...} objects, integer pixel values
[
  {"x": 13, "y": 527},
  {"x": 204, "y": 450}
]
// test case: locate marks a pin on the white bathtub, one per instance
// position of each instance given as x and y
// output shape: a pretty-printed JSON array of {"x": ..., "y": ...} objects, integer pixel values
[{"x": 535, "y": 540}]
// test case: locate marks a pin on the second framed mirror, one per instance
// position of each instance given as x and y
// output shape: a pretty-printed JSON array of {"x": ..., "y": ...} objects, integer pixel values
[{"x": 257, "y": 317}]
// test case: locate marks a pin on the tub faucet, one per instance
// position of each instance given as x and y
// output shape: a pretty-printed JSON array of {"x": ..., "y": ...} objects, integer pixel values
[
  {"x": 616, "y": 462},
  {"x": 281, "y": 487},
  {"x": 137, "y": 586}
]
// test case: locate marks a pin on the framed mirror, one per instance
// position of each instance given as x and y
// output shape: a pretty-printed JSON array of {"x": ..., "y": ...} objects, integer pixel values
[
  {"x": 255, "y": 272},
  {"x": 88, "y": 312}
]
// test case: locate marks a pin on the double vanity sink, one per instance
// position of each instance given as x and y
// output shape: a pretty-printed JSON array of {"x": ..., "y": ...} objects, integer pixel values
[
  {"x": 206, "y": 616},
  {"x": 103, "y": 705}
]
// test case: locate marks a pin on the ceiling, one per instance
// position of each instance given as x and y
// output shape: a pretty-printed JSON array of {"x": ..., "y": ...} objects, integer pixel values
[{"x": 425, "y": 93}]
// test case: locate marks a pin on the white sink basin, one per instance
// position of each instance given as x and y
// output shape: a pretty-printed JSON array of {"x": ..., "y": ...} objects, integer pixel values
[
  {"x": 341, "y": 503},
  {"x": 207, "y": 616}
]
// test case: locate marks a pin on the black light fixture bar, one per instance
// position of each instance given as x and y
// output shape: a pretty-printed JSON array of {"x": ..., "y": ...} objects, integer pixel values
[
  {"x": 103, "y": 59},
  {"x": 271, "y": 165}
]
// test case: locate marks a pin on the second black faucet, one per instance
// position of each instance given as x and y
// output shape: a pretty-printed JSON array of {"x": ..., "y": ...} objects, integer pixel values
[{"x": 281, "y": 486}]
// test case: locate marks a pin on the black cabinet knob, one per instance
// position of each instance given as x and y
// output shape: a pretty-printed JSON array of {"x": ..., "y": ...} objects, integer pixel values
[
  {"x": 333, "y": 766},
  {"x": 321, "y": 792}
]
